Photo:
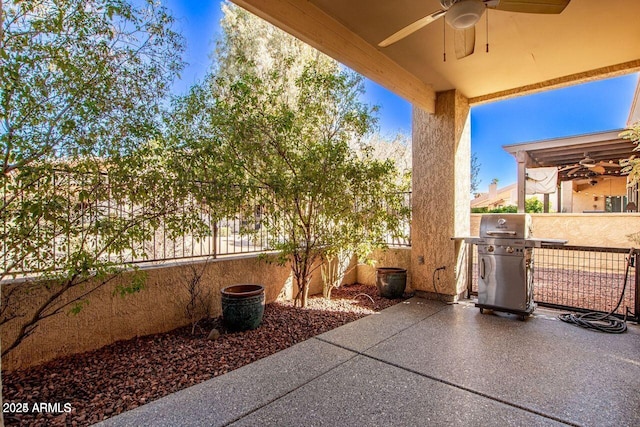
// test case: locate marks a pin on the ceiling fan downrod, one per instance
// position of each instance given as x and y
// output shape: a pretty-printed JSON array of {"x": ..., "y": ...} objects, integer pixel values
[{"x": 487, "y": 20}]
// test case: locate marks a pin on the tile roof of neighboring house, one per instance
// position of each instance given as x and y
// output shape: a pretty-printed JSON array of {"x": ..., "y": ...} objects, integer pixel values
[{"x": 502, "y": 197}]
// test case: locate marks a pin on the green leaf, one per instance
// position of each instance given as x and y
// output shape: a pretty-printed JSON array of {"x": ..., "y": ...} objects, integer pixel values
[{"x": 77, "y": 307}]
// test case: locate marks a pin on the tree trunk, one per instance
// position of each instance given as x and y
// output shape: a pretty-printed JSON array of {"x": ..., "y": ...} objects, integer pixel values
[
  {"x": 299, "y": 300},
  {"x": 305, "y": 293}
]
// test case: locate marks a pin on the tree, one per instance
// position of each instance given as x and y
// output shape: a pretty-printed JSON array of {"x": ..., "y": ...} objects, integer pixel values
[
  {"x": 632, "y": 166},
  {"x": 531, "y": 205},
  {"x": 248, "y": 42},
  {"x": 199, "y": 157},
  {"x": 82, "y": 78},
  {"x": 83, "y": 183},
  {"x": 325, "y": 197},
  {"x": 396, "y": 148},
  {"x": 285, "y": 119},
  {"x": 475, "y": 173}
]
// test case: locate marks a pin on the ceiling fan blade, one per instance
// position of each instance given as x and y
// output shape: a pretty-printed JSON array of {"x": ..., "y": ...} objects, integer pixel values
[
  {"x": 530, "y": 6},
  {"x": 574, "y": 170},
  {"x": 609, "y": 165},
  {"x": 465, "y": 42},
  {"x": 411, "y": 28},
  {"x": 598, "y": 169},
  {"x": 568, "y": 167}
]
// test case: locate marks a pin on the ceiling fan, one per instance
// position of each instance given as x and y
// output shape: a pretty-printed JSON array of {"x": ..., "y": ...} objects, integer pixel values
[
  {"x": 462, "y": 15},
  {"x": 589, "y": 166}
]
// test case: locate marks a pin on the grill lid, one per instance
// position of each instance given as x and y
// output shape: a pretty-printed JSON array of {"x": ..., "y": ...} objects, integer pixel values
[{"x": 506, "y": 226}]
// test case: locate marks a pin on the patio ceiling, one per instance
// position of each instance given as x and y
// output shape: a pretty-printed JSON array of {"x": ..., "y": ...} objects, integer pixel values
[
  {"x": 606, "y": 147},
  {"x": 590, "y": 39}
]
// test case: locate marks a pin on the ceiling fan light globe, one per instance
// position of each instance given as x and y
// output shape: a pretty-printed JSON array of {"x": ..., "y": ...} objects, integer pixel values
[{"x": 464, "y": 13}]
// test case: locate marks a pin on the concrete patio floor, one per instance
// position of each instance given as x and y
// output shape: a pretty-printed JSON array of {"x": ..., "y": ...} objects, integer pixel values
[{"x": 423, "y": 363}]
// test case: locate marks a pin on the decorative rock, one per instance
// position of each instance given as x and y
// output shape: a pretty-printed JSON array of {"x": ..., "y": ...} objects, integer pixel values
[
  {"x": 214, "y": 334},
  {"x": 146, "y": 368}
]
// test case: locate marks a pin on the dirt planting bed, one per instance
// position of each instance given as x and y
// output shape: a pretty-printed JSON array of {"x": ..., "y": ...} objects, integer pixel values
[
  {"x": 598, "y": 291},
  {"x": 584, "y": 290},
  {"x": 99, "y": 384}
]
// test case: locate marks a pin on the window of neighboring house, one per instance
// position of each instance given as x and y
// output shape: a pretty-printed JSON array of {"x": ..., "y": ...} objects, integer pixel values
[
  {"x": 615, "y": 203},
  {"x": 632, "y": 196}
]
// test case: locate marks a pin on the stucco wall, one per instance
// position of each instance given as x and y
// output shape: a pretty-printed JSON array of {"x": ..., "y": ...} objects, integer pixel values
[
  {"x": 591, "y": 197},
  {"x": 441, "y": 191},
  {"x": 400, "y": 257},
  {"x": 589, "y": 229},
  {"x": 159, "y": 307}
]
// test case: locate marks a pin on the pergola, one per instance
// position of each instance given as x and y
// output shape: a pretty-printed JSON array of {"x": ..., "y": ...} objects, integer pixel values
[
  {"x": 527, "y": 53},
  {"x": 568, "y": 155},
  {"x": 580, "y": 157}
]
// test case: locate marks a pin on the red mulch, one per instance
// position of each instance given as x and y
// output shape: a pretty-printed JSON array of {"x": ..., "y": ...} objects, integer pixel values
[{"x": 102, "y": 383}]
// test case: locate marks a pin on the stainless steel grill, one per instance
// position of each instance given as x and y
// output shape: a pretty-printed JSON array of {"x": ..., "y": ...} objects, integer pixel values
[{"x": 505, "y": 263}]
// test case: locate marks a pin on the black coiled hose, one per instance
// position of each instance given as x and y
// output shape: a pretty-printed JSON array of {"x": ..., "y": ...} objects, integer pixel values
[{"x": 602, "y": 322}]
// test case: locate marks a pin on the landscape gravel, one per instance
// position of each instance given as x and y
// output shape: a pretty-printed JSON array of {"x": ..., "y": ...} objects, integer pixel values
[{"x": 96, "y": 385}]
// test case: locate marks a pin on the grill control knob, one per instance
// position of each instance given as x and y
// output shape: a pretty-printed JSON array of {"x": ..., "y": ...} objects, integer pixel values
[
  {"x": 490, "y": 249},
  {"x": 509, "y": 250}
]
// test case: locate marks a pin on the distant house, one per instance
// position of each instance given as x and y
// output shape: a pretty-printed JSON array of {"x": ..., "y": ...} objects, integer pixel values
[
  {"x": 496, "y": 197},
  {"x": 500, "y": 197},
  {"x": 587, "y": 169}
]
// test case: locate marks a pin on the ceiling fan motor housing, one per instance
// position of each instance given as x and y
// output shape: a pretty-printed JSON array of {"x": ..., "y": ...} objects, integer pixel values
[
  {"x": 463, "y": 13},
  {"x": 587, "y": 162}
]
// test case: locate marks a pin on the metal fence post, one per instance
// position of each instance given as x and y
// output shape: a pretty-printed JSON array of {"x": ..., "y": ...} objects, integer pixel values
[
  {"x": 636, "y": 299},
  {"x": 469, "y": 269},
  {"x": 215, "y": 239}
]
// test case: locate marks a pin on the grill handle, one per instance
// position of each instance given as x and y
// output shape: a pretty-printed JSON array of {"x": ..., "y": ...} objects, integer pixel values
[
  {"x": 501, "y": 233},
  {"x": 482, "y": 268}
]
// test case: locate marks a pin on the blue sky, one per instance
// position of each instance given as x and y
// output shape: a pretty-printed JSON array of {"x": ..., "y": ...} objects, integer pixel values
[{"x": 587, "y": 108}]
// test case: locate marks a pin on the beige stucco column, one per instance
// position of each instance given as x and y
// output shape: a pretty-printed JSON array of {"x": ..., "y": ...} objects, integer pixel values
[
  {"x": 566, "y": 188},
  {"x": 441, "y": 194}
]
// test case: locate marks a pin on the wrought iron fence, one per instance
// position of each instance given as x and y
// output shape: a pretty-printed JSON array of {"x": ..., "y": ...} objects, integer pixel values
[
  {"x": 228, "y": 236},
  {"x": 581, "y": 278},
  {"x": 85, "y": 200},
  {"x": 403, "y": 237}
]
